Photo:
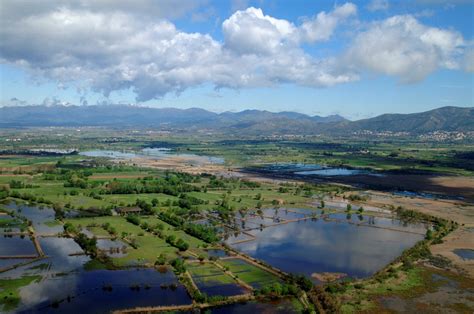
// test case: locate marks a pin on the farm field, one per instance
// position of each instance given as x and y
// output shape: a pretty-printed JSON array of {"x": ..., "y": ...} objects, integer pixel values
[{"x": 223, "y": 235}]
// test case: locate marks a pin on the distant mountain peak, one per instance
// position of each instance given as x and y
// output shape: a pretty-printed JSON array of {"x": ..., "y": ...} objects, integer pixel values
[{"x": 250, "y": 122}]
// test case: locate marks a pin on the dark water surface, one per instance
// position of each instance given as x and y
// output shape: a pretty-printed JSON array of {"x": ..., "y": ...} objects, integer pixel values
[
  {"x": 16, "y": 245},
  {"x": 66, "y": 287},
  {"x": 311, "y": 246},
  {"x": 466, "y": 254}
]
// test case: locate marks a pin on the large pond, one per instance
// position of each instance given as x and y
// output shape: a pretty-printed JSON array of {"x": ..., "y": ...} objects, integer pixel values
[
  {"x": 317, "y": 170},
  {"x": 358, "y": 246},
  {"x": 42, "y": 218},
  {"x": 16, "y": 245},
  {"x": 154, "y": 153}
]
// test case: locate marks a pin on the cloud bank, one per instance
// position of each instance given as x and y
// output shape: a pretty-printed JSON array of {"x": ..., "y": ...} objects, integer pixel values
[{"x": 117, "y": 45}]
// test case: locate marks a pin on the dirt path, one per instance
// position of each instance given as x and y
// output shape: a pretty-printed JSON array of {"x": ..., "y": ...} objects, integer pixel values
[{"x": 187, "y": 307}]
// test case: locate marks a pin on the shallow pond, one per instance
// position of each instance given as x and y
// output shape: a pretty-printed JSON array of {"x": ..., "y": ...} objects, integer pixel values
[
  {"x": 42, "y": 218},
  {"x": 153, "y": 153},
  {"x": 311, "y": 246},
  {"x": 317, "y": 170},
  {"x": 16, "y": 245},
  {"x": 113, "y": 248},
  {"x": 466, "y": 254},
  {"x": 216, "y": 253}
]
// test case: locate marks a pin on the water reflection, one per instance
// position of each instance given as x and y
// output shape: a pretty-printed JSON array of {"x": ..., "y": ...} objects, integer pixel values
[
  {"x": 42, "y": 217},
  {"x": 64, "y": 286},
  {"x": 16, "y": 245},
  {"x": 102, "y": 291},
  {"x": 311, "y": 246},
  {"x": 153, "y": 153}
]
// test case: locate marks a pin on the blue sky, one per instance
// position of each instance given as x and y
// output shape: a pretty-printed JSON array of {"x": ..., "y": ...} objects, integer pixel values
[{"x": 358, "y": 59}]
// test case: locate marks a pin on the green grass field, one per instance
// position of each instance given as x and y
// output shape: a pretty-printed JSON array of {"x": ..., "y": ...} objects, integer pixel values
[
  {"x": 208, "y": 274},
  {"x": 254, "y": 276}
]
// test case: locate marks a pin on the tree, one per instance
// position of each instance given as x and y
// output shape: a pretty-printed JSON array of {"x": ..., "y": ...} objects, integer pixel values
[
  {"x": 181, "y": 245},
  {"x": 178, "y": 265},
  {"x": 170, "y": 239},
  {"x": 161, "y": 260},
  {"x": 429, "y": 234}
]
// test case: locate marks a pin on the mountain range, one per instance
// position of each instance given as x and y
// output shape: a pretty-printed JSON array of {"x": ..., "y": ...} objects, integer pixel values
[{"x": 247, "y": 122}]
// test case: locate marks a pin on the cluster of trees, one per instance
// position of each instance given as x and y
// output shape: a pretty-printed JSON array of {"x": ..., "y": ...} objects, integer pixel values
[
  {"x": 250, "y": 184},
  {"x": 180, "y": 244},
  {"x": 76, "y": 182},
  {"x": 188, "y": 201},
  {"x": 134, "y": 219},
  {"x": 161, "y": 260},
  {"x": 168, "y": 185},
  {"x": 215, "y": 183},
  {"x": 70, "y": 228},
  {"x": 323, "y": 301},
  {"x": 205, "y": 233},
  {"x": 178, "y": 265},
  {"x": 89, "y": 245},
  {"x": 29, "y": 197},
  {"x": 278, "y": 290},
  {"x": 301, "y": 281},
  {"x": 111, "y": 230},
  {"x": 146, "y": 207},
  {"x": 17, "y": 184}
]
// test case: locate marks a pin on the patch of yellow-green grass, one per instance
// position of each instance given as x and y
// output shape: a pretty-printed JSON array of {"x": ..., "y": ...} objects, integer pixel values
[
  {"x": 361, "y": 296},
  {"x": 52, "y": 223},
  {"x": 98, "y": 231},
  {"x": 251, "y": 274},
  {"x": 207, "y": 274},
  {"x": 148, "y": 250},
  {"x": 9, "y": 291},
  {"x": 170, "y": 230}
]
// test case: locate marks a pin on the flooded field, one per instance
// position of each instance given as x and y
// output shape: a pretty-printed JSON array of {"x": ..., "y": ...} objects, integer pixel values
[
  {"x": 355, "y": 245},
  {"x": 153, "y": 153},
  {"x": 412, "y": 183},
  {"x": 64, "y": 284},
  {"x": 211, "y": 281},
  {"x": 317, "y": 170},
  {"x": 16, "y": 245},
  {"x": 295, "y": 240},
  {"x": 42, "y": 218}
]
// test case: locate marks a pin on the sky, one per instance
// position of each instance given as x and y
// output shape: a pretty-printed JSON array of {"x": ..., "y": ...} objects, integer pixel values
[{"x": 358, "y": 59}]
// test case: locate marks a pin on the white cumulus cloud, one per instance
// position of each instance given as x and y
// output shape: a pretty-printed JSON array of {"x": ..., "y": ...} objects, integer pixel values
[
  {"x": 109, "y": 46},
  {"x": 401, "y": 46},
  {"x": 322, "y": 26}
]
